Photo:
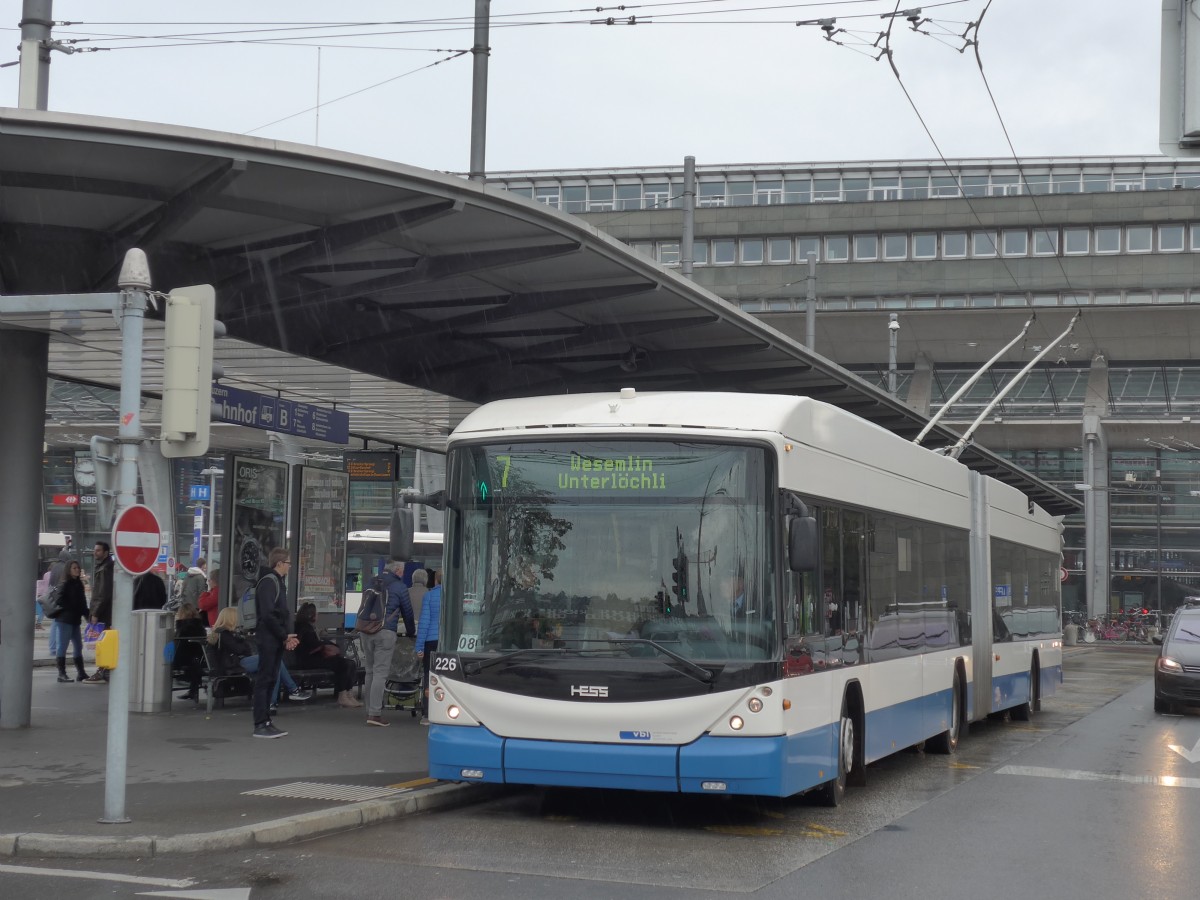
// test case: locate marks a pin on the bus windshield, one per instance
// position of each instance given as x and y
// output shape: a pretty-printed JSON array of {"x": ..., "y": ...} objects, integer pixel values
[{"x": 595, "y": 544}]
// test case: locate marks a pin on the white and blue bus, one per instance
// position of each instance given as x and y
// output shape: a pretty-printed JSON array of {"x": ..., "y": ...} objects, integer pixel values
[
  {"x": 367, "y": 552},
  {"x": 725, "y": 593}
]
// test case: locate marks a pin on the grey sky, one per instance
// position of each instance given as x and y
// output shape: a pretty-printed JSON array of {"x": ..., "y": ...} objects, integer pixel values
[{"x": 1071, "y": 77}]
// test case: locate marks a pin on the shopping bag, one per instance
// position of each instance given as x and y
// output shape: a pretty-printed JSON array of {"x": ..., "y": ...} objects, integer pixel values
[
  {"x": 91, "y": 637},
  {"x": 107, "y": 649}
]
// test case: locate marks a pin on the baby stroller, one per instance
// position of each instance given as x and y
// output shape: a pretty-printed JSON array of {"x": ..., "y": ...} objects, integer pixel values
[{"x": 403, "y": 686}]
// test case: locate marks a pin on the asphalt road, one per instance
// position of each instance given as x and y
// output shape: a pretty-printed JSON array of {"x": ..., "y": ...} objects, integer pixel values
[{"x": 1087, "y": 800}]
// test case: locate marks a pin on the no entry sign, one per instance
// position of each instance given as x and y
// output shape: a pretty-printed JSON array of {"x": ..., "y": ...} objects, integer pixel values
[{"x": 135, "y": 539}]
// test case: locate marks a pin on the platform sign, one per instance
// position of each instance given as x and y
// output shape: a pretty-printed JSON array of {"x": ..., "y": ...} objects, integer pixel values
[{"x": 136, "y": 539}]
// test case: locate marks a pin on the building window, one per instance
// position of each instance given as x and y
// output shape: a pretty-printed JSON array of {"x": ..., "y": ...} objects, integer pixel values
[
  {"x": 827, "y": 190},
  {"x": 741, "y": 193},
  {"x": 1045, "y": 242},
  {"x": 1066, "y": 184},
  {"x": 668, "y": 253},
  {"x": 805, "y": 246},
  {"x": 711, "y": 193},
  {"x": 924, "y": 302},
  {"x": 768, "y": 193},
  {"x": 1004, "y": 185},
  {"x": 945, "y": 186},
  {"x": 837, "y": 248},
  {"x": 866, "y": 303},
  {"x": 629, "y": 196},
  {"x": 954, "y": 244},
  {"x": 925, "y": 246},
  {"x": 983, "y": 243},
  {"x": 835, "y": 304},
  {"x": 866, "y": 247},
  {"x": 600, "y": 197},
  {"x": 975, "y": 185},
  {"x": 1016, "y": 243},
  {"x": 658, "y": 196},
  {"x": 1139, "y": 238},
  {"x": 1044, "y": 299},
  {"x": 885, "y": 188},
  {"x": 1194, "y": 239},
  {"x": 1015, "y": 300},
  {"x": 779, "y": 250},
  {"x": 549, "y": 194},
  {"x": 779, "y": 305},
  {"x": 752, "y": 251},
  {"x": 1096, "y": 184},
  {"x": 526, "y": 191},
  {"x": 914, "y": 187},
  {"x": 797, "y": 190},
  {"x": 1170, "y": 296},
  {"x": 895, "y": 246},
  {"x": 855, "y": 189},
  {"x": 1076, "y": 240},
  {"x": 724, "y": 252},
  {"x": 893, "y": 303},
  {"x": 1138, "y": 297},
  {"x": 574, "y": 199},
  {"x": 982, "y": 302},
  {"x": 1170, "y": 238},
  {"x": 700, "y": 252},
  {"x": 1108, "y": 239},
  {"x": 1106, "y": 299},
  {"x": 643, "y": 248},
  {"x": 954, "y": 302}
]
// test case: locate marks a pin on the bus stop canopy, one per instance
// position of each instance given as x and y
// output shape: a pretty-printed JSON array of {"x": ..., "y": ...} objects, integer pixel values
[{"x": 399, "y": 295}]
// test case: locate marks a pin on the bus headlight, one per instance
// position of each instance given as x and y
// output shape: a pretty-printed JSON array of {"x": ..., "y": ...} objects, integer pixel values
[
  {"x": 453, "y": 712},
  {"x": 755, "y": 704},
  {"x": 439, "y": 695},
  {"x": 737, "y": 723}
]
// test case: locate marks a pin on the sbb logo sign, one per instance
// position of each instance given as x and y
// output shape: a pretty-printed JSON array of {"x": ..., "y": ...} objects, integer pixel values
[{"x": 66, "y": 500}]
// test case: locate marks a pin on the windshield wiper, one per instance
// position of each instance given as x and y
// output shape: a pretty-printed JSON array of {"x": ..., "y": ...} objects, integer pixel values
[
  {"x": 700, "y": 673},
  {"x": 1192, "y": 633},
  {"x": 475, "y": 667}
]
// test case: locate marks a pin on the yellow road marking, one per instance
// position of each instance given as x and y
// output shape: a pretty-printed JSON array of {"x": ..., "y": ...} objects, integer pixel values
[{"x": 418, "y": 782}]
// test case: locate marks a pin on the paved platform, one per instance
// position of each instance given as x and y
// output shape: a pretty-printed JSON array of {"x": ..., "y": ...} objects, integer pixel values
[{"x": 196, "y": 782}]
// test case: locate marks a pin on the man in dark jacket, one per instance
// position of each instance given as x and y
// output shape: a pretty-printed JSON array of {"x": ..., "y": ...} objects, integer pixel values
[
  {"x": 272, "y": 635},
  {"x": 100, "y": 610}
]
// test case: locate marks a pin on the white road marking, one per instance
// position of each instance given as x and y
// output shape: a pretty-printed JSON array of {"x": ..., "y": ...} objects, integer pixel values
[
  {"x": 1078, "y": 775},
  {"x": 239, "y": 893},
  {"x": 1192, "y": 756},
  {"x": 98, "y": 876}
]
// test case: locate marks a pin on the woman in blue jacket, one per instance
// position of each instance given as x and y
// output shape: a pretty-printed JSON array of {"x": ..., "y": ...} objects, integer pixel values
[{"x": 427, "y": 637}]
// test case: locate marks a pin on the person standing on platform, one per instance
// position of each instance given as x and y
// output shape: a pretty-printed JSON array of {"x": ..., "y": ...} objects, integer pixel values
[
  {"x": 272, "y": 633},
  {"x": 378, "y": 647},
  {"x": 427, "y": 637},
  {"x": 74, "y": 611},
  {"x": 195, "y": 583},
  {"x": 102, "y": 599}
]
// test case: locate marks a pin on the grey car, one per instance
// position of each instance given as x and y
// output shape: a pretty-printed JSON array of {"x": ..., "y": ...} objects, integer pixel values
[{"x": 1177, "y": 669}]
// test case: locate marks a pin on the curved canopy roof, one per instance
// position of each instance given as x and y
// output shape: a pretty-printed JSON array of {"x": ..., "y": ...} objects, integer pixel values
[{"x": 342, "y": 279}]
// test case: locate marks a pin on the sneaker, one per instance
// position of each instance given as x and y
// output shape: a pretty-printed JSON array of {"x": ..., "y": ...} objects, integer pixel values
[
  {"x": 300, "y": 694},
  {"x": 268, "y": 731},
  {"x": 96, "y": 677},
  {"x": 378, "y": 720},
  {"x": 424, "y": 720}
]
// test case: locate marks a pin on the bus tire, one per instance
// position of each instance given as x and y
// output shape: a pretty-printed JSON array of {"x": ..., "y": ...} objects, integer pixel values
[
  {"x": 947, "y": 741},
  {"x": 1023, "y": 712},
  {"x": 833, "y": 792}
]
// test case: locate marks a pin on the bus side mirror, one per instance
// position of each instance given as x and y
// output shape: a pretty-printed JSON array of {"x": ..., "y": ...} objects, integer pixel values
[
  {"x": 802, "y": 543},
  {"x": 400, "y": 534}
]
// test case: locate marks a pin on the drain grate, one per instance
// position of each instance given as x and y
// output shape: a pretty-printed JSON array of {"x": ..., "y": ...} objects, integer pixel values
[{"x": 309, "y": 790}]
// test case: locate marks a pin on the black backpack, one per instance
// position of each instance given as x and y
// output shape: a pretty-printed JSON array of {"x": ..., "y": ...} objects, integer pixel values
[{"x": 372, "y": 609}]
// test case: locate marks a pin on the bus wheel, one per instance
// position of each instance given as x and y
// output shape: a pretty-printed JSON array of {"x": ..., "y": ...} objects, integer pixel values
[
  {"x": 1023, "y": 712},
  {"x": 947, "y": 741},
  {"x": 833, "y": 792}
]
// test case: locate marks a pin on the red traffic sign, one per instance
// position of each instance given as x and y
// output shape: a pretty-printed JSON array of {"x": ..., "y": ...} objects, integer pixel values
[
  {"x": 136, "y": 539},
  {"x": 1063, "y": 574}
]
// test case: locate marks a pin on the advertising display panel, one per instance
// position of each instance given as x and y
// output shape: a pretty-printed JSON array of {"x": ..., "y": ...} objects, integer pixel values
[
  {"x": 255, "y": 522},
  {"x": 320, "y": 503}
]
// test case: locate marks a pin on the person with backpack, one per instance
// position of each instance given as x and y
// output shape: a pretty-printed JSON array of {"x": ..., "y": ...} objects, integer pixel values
[
  {"x": 378, "y": 621},
  {"x": 272, "y": 635}
]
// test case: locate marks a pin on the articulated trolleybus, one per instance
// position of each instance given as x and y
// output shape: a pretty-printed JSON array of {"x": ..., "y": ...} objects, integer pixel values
[{"x": 725, "y": 593}]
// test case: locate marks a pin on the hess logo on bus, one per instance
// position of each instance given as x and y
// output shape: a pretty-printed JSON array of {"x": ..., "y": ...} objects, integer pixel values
[{"x": 589, "y": 690}]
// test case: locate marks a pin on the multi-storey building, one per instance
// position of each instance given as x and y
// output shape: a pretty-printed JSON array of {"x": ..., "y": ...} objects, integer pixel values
[{"x": 964, "y": 255}]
